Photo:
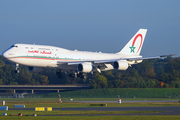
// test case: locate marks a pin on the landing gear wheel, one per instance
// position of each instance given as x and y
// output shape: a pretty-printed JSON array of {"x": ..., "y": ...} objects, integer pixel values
[
  {"x": 73, "y": 75},
  {"x": 82, "y": 76},
  {"x": 16, "y": 71}
]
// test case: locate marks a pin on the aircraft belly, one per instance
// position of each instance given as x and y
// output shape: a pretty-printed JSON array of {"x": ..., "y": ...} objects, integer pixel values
[{"x": 34, "y": 62}]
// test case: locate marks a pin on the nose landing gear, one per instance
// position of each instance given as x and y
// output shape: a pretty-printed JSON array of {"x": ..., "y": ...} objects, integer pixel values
[{"x": 17, "y": 68}]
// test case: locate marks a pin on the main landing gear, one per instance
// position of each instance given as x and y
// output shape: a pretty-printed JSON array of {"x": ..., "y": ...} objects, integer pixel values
[
  {"x": 82, "y": 76},
  {"x": 76, "y": 75},
  {"x": 59, "y": 74},
  {"x": 71, "y": 75},
  {"x": 17, "y": 68}
]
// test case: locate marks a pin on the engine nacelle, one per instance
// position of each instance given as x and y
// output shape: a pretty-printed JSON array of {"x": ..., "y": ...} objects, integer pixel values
[
  {"x": 85, "y": 67},
  {"x": 34, "y": 69},
  {"x": 120, "y": 65}
]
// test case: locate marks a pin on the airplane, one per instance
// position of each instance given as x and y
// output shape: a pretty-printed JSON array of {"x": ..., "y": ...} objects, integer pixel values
[{"x": 35, "y": 57}]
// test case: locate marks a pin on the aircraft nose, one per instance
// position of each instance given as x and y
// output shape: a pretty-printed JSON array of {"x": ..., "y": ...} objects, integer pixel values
[{"x": 5, "y": 54}]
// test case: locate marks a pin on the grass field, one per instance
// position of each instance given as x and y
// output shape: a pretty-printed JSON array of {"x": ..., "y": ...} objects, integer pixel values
[
  {"x": 32, "y": 104},
  {"x": 51, "y": 100},
  {"x": 102, "y": 115},
  {"x": 123, "y": 92},
  {"x": 111, "y": 93},
  {"x": 56, "y": 112},
  {"x": 126, "y": 117},
  {"x": 85, "y": 99}
]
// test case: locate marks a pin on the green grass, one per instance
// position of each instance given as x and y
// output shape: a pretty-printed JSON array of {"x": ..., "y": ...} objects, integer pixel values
[
  {"x": 86, "y": 114},
  {"x": 113, "y": 92},
  {"x": 34, "y": 104},
  {"x": 56, "y": 112},
  {"x": 85, "y": 99},
  {"x": 126, "y": 117}
]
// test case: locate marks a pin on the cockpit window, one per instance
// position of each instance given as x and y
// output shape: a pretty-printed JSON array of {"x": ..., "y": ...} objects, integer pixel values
[{"x": 14, "y": 46}]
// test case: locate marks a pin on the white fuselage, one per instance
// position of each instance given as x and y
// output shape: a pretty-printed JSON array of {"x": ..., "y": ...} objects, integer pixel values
[{"x": 49, "y": 56}]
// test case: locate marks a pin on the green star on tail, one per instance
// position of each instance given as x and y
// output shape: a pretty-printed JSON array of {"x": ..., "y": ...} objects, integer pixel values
[{"x": 132, "y": 48}]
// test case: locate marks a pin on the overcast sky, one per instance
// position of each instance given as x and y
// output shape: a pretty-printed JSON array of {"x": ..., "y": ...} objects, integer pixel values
[{"x": 91, "y": 25}]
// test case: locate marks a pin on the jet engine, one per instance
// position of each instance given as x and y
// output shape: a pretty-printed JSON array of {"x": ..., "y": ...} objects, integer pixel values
[
  {"x": 34, "y": 69},
  {"x": 85, "y": 67},
  {"x": 120, "y": 65}
]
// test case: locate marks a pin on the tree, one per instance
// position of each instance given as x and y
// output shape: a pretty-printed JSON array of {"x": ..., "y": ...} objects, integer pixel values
[
  {"x": 149, "y": 74},
  {"x": 101, "y": 81},
  {"x": 44, "y": 80},
  {"x": 25, "y": 77}
]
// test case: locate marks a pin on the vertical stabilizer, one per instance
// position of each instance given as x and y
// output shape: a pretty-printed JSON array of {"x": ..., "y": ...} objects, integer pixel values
[{"x": 133, "y": 47}]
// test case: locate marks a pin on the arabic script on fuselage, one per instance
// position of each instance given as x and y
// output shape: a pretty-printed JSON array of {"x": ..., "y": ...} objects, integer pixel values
[
  {"x": 45, "y": 52},
  {"x": 41, "y": 52},
  {"x": 33, "y": 51}
]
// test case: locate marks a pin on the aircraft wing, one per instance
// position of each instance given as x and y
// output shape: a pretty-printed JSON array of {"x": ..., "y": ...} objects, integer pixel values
[
  {"x": 112, "y": 60},
  {"x": 131, "y": 59}
]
